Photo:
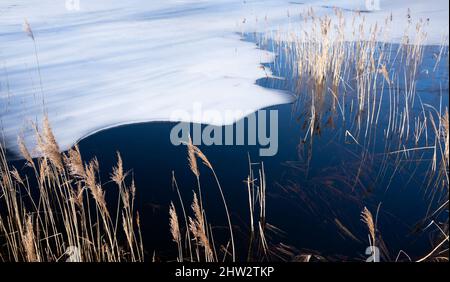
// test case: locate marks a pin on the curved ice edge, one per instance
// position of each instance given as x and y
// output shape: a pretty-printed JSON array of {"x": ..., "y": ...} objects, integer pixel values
[
  {"x": 289, "y": 96},
  {"x": 291, "y": 100}
]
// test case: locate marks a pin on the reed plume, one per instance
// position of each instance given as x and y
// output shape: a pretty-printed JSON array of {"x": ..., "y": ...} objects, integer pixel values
[
  {"x": 118, "y": 174},
  {"x": 27, "y": 29},
  {"x": 74, "y": 163},
  {"x": 48, "y": 146},
  {"x": 367, "y": 218},
  {"x": 193, "y": 152}
]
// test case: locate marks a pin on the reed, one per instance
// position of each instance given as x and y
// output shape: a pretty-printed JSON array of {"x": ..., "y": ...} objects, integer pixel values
[
  {"x": 353, "y": 76},
  {"x": 63, "y": 212},
  {"x": 29, "y": 32},
  {"x": 175, "y": 230},
  {"x": 367, "y": 218},
  {"x": 193, "y": 153}
]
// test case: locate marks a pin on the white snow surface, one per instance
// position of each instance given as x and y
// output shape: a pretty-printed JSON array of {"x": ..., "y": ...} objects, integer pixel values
[{"x": 116, "y": 62}]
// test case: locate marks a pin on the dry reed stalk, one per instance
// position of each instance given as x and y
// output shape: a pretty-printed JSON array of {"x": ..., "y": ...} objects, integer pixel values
[
  {"x": 96, "y": 190},
  {"x": 193, "y": 153},
  {"x": 256, "y": 189},
  {"x": 74, "y": 163},
  {"x": 48, "y": 146},
  {"x": 24, "y": 151}
]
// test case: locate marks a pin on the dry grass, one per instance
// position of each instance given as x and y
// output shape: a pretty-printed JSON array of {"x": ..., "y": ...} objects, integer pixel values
[{"x": 63, "y": 211}]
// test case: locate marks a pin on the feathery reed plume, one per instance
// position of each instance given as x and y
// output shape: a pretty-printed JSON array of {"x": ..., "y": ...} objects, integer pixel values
[
  {"x": 60, "y": 213},
  {"x": 96, "y": 191},
  {"x": 27, "y": 29},
  {"x": 192, "y": 159},
  {"x": 202, "y": 156},
  {"x": 141, "y": 245},
  {"x": 128, "y": 230},
  {"x": 445, "y": 126},
  {"x": 198, "y": 212},
  {"x": 48, "y": 146},
  {"x": 198, "y": 229},
  {"x": 367, "y": 218},
  {"x": 174, "y": 227},
  {"x": 118, "y": 175},
  {"x": 48, "y": 134}
]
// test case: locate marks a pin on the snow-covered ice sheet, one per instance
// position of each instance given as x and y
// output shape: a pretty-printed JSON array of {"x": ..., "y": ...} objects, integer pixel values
[{"x": 115, "y": 62}]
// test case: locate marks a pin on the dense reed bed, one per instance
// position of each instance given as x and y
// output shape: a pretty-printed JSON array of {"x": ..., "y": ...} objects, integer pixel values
[{"x": 62, "y": 214}]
